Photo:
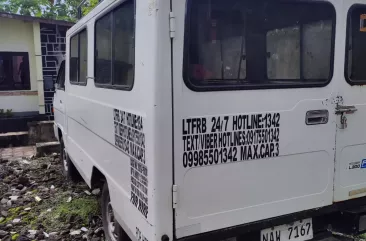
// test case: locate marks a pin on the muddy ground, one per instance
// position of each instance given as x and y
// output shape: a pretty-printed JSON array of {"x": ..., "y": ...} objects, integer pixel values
[{"x": 37, "y": 203}]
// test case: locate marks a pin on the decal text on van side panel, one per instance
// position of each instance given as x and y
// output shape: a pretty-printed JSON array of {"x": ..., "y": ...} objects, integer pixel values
[
  {"x": 225, "y": 139},
  {"x": 130, "y": 139}
]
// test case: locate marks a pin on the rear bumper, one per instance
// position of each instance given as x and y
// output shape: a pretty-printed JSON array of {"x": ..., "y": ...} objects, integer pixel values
[{"x": 323, "y": 219}]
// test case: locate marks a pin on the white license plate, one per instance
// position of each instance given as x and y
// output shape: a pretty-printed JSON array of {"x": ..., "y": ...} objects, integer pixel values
[{"x": 297, "y": 231}]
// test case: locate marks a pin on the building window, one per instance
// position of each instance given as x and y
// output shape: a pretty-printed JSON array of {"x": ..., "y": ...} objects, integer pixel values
[
  {"x": 14, "y": 71},
  {"x": 114, "y": 48},
  {"x": 79, "y": 58},
  {"x": 240, "y": 44},
  {"x": 355, "y": 71}
]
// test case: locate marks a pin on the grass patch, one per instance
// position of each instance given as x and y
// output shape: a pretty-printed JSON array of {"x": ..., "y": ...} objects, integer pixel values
[
  {"x": 14, "y": 236},
  {"x": 55, "y": 213},
  {"x": 75, "y": 212},
  {"x": 12, "y": 214}
]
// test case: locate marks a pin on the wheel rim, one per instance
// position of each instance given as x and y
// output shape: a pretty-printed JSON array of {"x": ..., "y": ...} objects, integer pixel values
[
  {"x": 64, "y": 155},
  {"x": 111, "y": 223}
]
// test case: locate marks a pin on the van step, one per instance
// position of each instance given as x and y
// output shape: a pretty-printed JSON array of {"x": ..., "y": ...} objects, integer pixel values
[
  {"x": 45, "y": 148},
  {"x": 13, "y": 139}
]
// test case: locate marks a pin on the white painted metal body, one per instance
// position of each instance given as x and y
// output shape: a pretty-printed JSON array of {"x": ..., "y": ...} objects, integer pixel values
[
  {"x": 311, "y": 170},
  {"x": 59, "y": 107}
]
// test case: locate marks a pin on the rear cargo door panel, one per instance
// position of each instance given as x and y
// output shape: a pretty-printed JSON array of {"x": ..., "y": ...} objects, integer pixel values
[
  {"x": 350, "y": 175},
  {"x": 247, "y": 154}
]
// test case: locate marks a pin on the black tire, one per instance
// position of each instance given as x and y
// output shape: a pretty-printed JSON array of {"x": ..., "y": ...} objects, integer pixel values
[
  {"x": 68, "y": 169},
  {"x": 120, "y": 234}
]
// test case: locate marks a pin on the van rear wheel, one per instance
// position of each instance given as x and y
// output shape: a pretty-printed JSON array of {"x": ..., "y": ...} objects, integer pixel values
[
  {"x": 67, "y": 167},
  {"x": 113, "y": 231}
]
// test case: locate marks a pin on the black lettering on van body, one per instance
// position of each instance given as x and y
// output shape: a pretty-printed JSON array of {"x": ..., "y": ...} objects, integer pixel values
[
  {"x": 243, "y": 153},
  {"x": 185, "y": 126},
  {"x": 255, "y": 152},
  {"x": 134, "y": 199}
]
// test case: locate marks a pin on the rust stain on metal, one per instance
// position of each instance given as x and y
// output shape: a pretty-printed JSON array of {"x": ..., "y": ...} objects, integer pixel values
[
  {"x": 357, "y": 192},
  {"x": 152, "y": 6}
]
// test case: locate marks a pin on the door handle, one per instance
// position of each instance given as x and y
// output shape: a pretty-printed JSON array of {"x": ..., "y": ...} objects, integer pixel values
[
  {"x": 317, "y": 117},
  {"x": 61, "y": 101}
]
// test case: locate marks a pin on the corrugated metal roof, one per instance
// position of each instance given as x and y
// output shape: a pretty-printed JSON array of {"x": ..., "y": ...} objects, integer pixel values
[{"x": 35, "y": 19}]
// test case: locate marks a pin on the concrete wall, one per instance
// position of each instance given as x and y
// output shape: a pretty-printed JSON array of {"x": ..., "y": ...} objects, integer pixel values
[{"x": 19, "y": 36}]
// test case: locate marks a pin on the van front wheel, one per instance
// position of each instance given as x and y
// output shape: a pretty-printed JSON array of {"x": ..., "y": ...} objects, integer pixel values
[
  {"x": 113, "y": 231},
  {"x": 67, "y": 167}
]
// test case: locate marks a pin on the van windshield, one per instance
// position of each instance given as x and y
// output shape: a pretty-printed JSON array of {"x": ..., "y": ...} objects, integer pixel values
[{"x": 262, "y": 41}]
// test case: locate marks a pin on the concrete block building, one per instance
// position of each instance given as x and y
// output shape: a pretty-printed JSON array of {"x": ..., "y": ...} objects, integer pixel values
[{"x": 30, "y": 51}]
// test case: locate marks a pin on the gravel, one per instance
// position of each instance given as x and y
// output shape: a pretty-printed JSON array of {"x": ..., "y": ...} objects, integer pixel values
[{"x": 37, "y": 203}]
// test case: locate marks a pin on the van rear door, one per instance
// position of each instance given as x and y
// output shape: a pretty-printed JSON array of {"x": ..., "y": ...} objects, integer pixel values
[
  {"x": 350, "y": 179},
  {"x": 254, "y": 129}
]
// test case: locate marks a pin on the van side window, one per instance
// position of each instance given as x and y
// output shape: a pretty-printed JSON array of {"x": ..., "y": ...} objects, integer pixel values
[
  {"x": 355, "y": 71},
  {"x": 60, "y": 82},
  {"x": 79, "y": 58},
  {"x": 103, "y": 45},
  {"x": 115, "y": 52},
  {"x": 258, "y": 44}
]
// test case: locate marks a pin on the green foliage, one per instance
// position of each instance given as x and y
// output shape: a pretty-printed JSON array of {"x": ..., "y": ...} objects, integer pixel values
[
  {"x": 29, "y": 7},
  {"x": 12, "y": 214},
  {"x": 15, "y": 236},
  {"x": 6, "y": 113},
  {"x": 9, "y": 112},
  {"x": 89, "y": 6},
  {"x": 55, "y": 213},
  {"x": 78, "y": 210},
  {"x": 53, "y": 9}
]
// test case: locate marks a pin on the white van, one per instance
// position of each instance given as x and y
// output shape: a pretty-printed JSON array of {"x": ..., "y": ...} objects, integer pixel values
[{"x": 217, "y": 119}]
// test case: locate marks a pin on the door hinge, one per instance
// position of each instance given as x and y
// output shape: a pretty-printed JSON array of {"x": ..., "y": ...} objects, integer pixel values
[
  {"x": 171, "y": 25},
  {"x": 175, "y": 196}
]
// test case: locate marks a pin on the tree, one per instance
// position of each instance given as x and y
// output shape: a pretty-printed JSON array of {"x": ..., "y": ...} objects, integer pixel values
[
  {"x": 29, "y": 7},
  {"x": 89, "y": 6},
  {"x": 54, "y": 9}
]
